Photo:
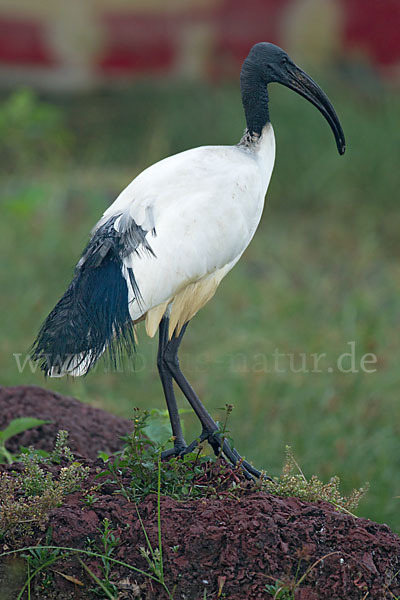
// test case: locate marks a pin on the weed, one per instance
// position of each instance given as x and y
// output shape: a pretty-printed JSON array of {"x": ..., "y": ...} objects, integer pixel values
[
  {"x": 89, "y": 499},
  {"x": 154, "y": 557},
  {"x": 61, "y": 449},
  {"x": 40, "y": 558},
  {"x": 158, "y": 426},
  {"x": 67, "y": 550},
  {"x": 108, "y": 542},
  {"x": 34, "y": 480},
  {"x": 20, "y": 513},
  {"x": 222, "y": 427},
  {"x": 72, "y": 476},
  {"x": 286, "y": 589},
  {"x": 293, "y": 482},
  {"x": 102, "y": 586},
  {"x": 196, "y": 475},
  {"x": 26, "y": 498},
  {"x": 39, "y": 561},
  {"x": 279, "y": 591},
  {"x": 189, "y": 477}
]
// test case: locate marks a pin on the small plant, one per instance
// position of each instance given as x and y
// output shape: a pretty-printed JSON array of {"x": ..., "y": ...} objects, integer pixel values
[
  {"x": 293, "y": 482},
  {"x": 61, "y": 449},
  {"x": 71, "y": 477},
  {"x": 19, "y": 513},
  {"x": 108, "y": 542},
  {"x": 39, "y": 561},
  {"x": 89, "y": 500},
  {"x": 157, "y": 427},
  {"x": 40, "y": 558},
  {"x": 13, "y": 428},
  {"x": 222, "y": 427},
  {"x": 285, "y": 589},
  {"x": 279, "y": 591},
  {"x": 192, "y": 476},
  {"x": 26, "y": 498},
  {"x": 154, "y": 557},
  {"x": 35, "y": 481}
]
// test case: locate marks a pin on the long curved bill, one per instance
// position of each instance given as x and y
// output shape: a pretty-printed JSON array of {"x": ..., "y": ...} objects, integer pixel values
[{"x": 298, "y": 81}]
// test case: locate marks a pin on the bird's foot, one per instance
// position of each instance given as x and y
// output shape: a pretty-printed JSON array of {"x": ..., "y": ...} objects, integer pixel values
[
  {"x": 221, "y": 447},
  {"x": 179, "y": 449}
]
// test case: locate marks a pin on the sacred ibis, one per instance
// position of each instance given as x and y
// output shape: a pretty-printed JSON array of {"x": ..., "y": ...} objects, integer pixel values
[{"x": 161, "y": 249}]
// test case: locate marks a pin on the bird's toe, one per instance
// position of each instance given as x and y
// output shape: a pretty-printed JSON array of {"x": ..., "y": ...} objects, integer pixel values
[{"x": 178, "y": 450}]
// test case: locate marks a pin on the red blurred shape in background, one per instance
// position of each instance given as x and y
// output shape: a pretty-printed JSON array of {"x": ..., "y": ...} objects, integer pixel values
[
  {"x": 375, "y": 28},
  {"x": 216, "y": 35},
  {"x": 140, "y": 43},
  {"x": 240, "y": 25},
  {"x": 22, "y": 42}
]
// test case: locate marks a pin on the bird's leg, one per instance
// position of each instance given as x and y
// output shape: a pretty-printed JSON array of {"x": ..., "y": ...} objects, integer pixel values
[
  {"x": 172, "y": 362},
  {"x": 210, "y": 428},
  {"x": 166, "y": 380}
]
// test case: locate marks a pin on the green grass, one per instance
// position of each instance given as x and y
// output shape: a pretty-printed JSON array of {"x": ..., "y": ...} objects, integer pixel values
[{"x": 322, "y": 271}]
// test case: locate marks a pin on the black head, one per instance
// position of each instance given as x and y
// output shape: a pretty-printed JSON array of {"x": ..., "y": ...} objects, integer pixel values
[
  {"x": 269, "y": 58},
  {"x": 267, "y": 63}
]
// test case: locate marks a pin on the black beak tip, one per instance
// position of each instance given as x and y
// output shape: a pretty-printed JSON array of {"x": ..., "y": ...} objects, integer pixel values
[{"x": 340, "y": 142}]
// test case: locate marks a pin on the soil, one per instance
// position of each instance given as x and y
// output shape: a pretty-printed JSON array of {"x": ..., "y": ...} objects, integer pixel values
[
  {"x": 90, "y": 429},
  {"x": 223, "y": 547}
]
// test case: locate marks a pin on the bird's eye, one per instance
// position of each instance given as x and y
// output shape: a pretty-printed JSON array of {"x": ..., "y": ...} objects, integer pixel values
[{"x": 284, "y": 60}]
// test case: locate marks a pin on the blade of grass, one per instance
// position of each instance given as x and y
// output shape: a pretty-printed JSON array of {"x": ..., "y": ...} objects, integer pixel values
[
  {"x": 153, "y": 556},
  {"x": 43, "y": 566},
  {"x": 88, "y": 553},
  {"x": 159, "y": 518},
  {"x": 29, "y": 585},
  {"x": 97, "y": 580}
]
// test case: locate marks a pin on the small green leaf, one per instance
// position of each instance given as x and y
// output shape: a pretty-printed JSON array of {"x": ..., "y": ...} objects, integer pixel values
[
  {"x": 18, "y": 426},
  {"x": 158, "y": 427},
  {"x": 41, "y": 453},
  {"x": 103, "y": 455}
]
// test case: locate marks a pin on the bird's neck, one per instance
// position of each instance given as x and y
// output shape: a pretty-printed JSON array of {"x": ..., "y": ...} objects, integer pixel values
[{"x": 255, "y": 100}]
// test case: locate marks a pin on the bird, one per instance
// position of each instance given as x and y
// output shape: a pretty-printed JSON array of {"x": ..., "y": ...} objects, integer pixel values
[{"x": 160, "y": 251}]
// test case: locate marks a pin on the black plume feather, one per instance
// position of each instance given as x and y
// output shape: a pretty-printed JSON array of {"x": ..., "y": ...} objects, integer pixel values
[{"x": 93, "y": 314}]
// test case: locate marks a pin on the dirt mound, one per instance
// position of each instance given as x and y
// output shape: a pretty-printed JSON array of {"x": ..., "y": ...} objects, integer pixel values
[
  {"x": 235, "y": 545},
  {"x": 90, "y": 429}
]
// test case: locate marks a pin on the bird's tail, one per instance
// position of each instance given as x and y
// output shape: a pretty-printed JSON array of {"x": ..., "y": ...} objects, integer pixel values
[{"x": 93, "y": 314}]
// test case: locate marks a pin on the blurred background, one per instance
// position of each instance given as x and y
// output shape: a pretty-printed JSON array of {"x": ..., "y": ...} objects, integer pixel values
[{"x": 92, "y": 92}]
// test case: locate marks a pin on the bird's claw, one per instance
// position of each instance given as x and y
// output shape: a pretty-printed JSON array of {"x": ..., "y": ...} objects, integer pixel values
[
  {"x": 177, "y": 451},
  {"x": 220, "y": 447}
]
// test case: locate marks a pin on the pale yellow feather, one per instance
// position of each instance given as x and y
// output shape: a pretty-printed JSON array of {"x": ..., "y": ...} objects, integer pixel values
[
  {"x": 185, "y": 304},
  {"x": 190, "y": 300},
  {"x": 154, "y": 316}
]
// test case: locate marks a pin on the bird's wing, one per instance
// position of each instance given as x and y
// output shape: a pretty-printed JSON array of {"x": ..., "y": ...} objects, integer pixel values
[{"x": 198, "y": 211}]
